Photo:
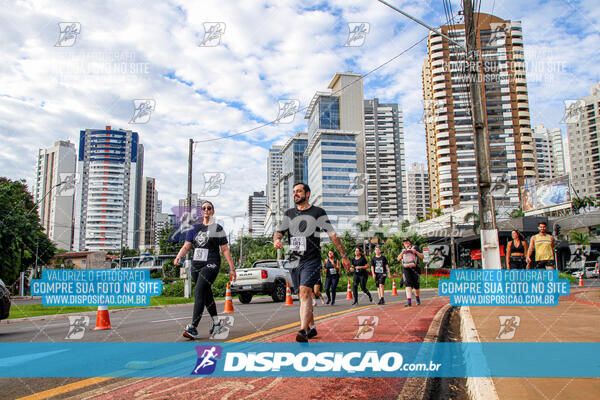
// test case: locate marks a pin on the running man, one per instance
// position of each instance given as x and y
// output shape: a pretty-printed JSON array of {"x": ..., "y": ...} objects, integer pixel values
[
  {"x": 410, "y": 266},
  {"x": 380, "y": 269},
  {"x": 332, "y": 276},
  {"x": 544, "y": 248},
  {"x": 360, "y": 267},
  {"x": 304, "y": 224},
  {"x": 206, "y": 239}
]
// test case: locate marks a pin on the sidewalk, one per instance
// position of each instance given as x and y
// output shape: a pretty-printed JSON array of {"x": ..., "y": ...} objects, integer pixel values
[
  {"x": 395, "y": 323},
  {"x": 575, "y": 319}
]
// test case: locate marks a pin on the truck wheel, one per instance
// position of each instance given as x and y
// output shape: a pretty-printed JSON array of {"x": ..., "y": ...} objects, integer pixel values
[
  {"x": 245, "y": 298},
  {"x": 278, "y": 294}
]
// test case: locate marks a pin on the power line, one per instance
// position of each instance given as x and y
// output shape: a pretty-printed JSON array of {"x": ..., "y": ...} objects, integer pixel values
[{"x": 305, "y": 108}]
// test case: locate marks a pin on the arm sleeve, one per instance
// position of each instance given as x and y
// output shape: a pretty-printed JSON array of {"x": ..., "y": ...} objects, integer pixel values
[
  {"x": 222, "y": 236},
  {"x": 323, "y": 222}
]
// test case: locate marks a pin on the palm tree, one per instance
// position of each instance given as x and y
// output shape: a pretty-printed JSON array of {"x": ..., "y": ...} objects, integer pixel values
[
  {"x": 475, "y": 217},
  {"x": 434, "y": 212},
  {"x": 577, "y": 204},
  {"x": 516, "y": 213}
]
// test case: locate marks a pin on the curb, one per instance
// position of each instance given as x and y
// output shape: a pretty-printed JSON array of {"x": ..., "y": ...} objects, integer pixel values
[
  {"x": 481, "y": 388},
  {"x": 418, "y": 388}
]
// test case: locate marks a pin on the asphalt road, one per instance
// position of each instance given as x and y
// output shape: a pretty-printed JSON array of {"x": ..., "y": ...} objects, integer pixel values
[{"x": 165, "y": 324}]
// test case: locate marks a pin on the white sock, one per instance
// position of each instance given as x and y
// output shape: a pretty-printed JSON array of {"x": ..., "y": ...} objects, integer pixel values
[{"x": 312, "y": 327}]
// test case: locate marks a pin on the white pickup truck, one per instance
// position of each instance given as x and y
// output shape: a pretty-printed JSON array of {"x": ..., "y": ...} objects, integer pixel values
[{"x": 264, "y": 277}]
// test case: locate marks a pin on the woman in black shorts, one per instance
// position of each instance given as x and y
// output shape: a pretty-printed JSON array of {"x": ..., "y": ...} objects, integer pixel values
[
  {"x": 332, "y": 276},
  {"x": 410, "y": 264},
  {"x": 516, "y": 250},
  {"x": 380, "y": 269},
  {"x": 360, "y": 266},
  {"x": 206, "y": 239}
]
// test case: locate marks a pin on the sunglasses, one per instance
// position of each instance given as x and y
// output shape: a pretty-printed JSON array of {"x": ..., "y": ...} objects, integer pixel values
[{"x": 207, "y": 208}]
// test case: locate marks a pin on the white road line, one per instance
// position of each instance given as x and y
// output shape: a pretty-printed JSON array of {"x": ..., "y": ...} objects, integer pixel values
[{"x": 171, "y": 319}]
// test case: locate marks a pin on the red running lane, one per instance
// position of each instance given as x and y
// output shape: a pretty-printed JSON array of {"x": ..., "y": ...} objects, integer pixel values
[{"x": 396, "y": 323}]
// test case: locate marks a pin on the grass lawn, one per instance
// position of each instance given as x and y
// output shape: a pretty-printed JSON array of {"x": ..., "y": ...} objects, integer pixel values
[{"x": 34, "y": 310}]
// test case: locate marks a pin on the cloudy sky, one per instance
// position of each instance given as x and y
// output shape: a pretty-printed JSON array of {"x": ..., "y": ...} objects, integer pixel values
[{"x": 127, "y": 50}]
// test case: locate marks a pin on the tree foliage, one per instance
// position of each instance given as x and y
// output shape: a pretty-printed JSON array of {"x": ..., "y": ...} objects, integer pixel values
[{"x": 20, "y": 232}]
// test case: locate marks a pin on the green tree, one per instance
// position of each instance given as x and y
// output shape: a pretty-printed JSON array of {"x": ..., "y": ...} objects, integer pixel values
[
  {"x": 166, "y": 246},
  {"x": 475, "y": 217},
  {"x": 20, "y": 232},
  {"x": 434, "y": 212},
  {"x": 516, "y": 213},
  {"x": 580, "y": 238}
]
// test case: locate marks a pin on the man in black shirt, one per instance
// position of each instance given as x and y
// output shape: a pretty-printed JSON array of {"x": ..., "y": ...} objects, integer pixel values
[{"x": 304, "y": 225}]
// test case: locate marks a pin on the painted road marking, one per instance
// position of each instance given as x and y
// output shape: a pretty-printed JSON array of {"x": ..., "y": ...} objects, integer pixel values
[{"x": 64, "y": 389}]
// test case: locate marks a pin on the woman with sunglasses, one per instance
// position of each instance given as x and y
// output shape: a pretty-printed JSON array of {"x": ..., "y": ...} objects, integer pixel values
[{"x": 207, "y": 238}]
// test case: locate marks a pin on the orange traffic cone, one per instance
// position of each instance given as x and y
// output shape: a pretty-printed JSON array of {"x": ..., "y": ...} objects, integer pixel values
[
  {"x": 288, "y": 295},
  {"x": 349, "y": 291},
  {"x": 102, "y": 319},
  {"x": 394, "y": 290},
  {"x": 228, "y": 303},
  {"x": 581, "y": 280}
]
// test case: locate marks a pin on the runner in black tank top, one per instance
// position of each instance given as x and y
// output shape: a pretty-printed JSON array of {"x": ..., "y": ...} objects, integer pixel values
[{"x": 516, "y": 250}]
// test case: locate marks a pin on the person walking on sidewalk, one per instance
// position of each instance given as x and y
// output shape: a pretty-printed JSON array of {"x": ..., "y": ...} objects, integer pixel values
[
  {"x": 409, "y": 257},
  {"x": 332, "y": 276},
  {"x": 360, "y": 266},
  {"x": 206, "y": 239},
  {"x": 317, "y": 292},
  {"x": 516, "y": 250},
  {"x": 544, "y": 248},
  {"x": 304, "y": 224},
  {"x": 380, "y": 269}
]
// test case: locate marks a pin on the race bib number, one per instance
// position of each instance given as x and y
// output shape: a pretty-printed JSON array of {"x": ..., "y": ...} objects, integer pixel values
[
  {"x": 298, "y": 243},
  {"x": 379, "y": 269},
  {"x": 200, "y": 254},
  {"x": 332, "y": 271}
]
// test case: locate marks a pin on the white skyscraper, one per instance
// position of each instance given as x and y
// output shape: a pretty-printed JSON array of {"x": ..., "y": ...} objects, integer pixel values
[
  {"x": 384, "y": 147},
  {"x": 257, "y": 210},
  {"x": 108, "y": 191},
  {"x": 558, "y": 152},
  {"x": 417, "y": 191},
  {"x": 273, "y": 173},
  {"x": 54, "y": 191},
  {"x": 543, "y": 153}
]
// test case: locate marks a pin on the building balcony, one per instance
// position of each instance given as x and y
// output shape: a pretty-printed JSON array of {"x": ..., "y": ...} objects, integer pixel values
[{"x": 439, "y": 94}]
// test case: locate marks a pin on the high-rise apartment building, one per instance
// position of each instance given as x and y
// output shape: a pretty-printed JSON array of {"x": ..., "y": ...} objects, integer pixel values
[
  {"x": 148, "y": 213},
  {"x": 583, "y": 124},
  {"x": 385, "y": 165},
  {"x": 543, "y": 153},
  {"x": 257, "y": 210},
  {"x": 108, "y": 192},
  {"x": 335, "y": 151},
  {"x": 54, "y": 191},
  {"x": 449, "y": 128},
  {"x": 566, "y": 155},
  {"x": 273, "y": 173},
  {"x": 294, "y": 169},
  {"x": 558, "y": 152},
  {"x": 417, "y": 191}
]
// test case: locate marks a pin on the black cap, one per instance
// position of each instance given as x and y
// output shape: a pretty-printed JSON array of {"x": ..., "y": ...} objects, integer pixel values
[{"x": 406, "y": 239}]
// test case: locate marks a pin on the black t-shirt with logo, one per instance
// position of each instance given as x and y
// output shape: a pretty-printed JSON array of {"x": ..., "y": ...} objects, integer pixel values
[
  {"x": 361, "y": 262},
  {"x": 331, "y": 272},
  {"x": 206, "y": 243},
  {"x": 304, "y": 229},
  {"x": 379, "y": 264}
]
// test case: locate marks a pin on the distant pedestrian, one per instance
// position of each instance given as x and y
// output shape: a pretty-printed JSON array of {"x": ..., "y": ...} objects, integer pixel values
[
  {"x": 332, "y": 276},
  {"x": 409, "y": 257},
  {"x": 380, "y": 269},
  {"x": 360, "y": 267},
  {"x": 543, "y": 244},
  {"x": 206, "y": 239},
  {"x": 516, "y": 250},
  {"x": 317, "y": 292}
]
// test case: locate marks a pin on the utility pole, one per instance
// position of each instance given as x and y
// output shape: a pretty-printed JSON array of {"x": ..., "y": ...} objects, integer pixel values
[
  {"x": 452, "y": 243},
  {"x": 187, "y": 289},
  {"x": 278, "y": 220},
  {"x": 490, "y": 247}
]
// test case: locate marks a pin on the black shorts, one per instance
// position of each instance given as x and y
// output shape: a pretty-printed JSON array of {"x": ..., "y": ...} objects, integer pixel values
[
  {"x": 380, "y": 279},
  {"x": 544, "y": 264},
  {"x": 411, "y": 278},
  {"x": 517, "y": 262},
  {"x": 308, "y": 273}
]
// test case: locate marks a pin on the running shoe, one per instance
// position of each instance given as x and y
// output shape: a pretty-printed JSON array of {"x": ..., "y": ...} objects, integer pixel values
[
  {"x": 302, "y": 336},
  {"x": 408, "y": 305},
  {"x": 382, "y": 301},
  {"x": 312, "y": 332},
  {"x": 418, "y": 301},
  {"x": 216, "y": 328},
  {"x": 379, "y": 302},
  {"x": 190, "y": 332},
  {"x": 370, "y": 298}
]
